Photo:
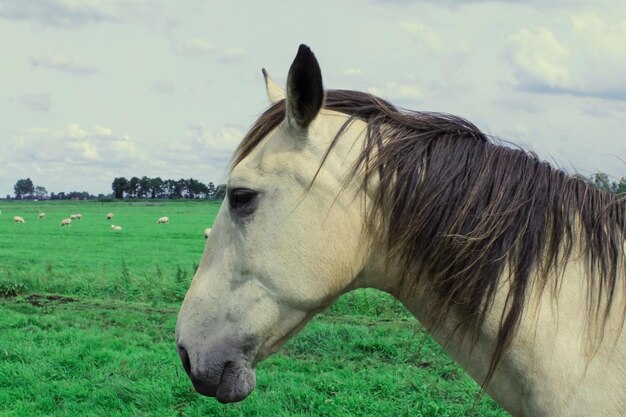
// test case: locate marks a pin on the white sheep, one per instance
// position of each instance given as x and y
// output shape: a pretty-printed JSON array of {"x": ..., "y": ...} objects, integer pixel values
[
  {"x": 114, "y": 227},
  {"x": 18, "y": 219},
  {"x": 206, "y": 232},
  {"x": 163, "y": 220},
  {"x": 66, "y": 222},
  {"x": 42, "y": 216},
  {"x": 109, "y": 216},
  {"x": 76, "y": 216}
]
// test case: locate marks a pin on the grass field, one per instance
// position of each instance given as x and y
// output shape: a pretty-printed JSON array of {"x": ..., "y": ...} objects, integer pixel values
[{"x": 87, "y": 320}]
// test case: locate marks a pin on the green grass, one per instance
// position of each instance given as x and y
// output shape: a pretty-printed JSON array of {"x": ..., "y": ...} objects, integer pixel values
[{"x": 105, "y": 347}]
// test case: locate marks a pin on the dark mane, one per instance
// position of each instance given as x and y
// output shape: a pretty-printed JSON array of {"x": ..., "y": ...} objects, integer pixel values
[{"x": 460, "y": 210}]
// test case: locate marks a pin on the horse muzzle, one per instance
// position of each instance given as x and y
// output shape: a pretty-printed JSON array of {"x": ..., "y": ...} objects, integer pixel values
[{"x": 222, "y": 372}]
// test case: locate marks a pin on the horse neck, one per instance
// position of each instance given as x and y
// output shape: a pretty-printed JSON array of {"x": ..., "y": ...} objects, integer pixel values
[{"x": 548, "y": 358}]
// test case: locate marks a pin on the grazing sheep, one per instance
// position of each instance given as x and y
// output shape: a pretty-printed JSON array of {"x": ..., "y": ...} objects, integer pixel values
[
  {"x": 114, "y": 227},
  {"x": 18, "y": 219},
  {"x": 163, "y": 220},
  {"x": 66, "y": 222},
  {"x": 109, "y": 216},
  {"x": 42, "y": 216},
  {"x": 76, "y": 216},
  {"x": 206, "y": 232}
]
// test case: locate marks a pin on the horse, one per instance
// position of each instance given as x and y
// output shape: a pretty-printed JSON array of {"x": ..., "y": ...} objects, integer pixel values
[{"x": 514, "y": 266}]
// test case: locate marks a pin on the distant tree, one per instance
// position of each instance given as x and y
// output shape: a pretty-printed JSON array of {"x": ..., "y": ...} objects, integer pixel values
[
  {"x": 144, "y": 187},
  {"x": 156, "y": 187},
  {"x": 119, "y": 186},
  {"x": 602, "y": 182},
  {"x": 24, "y": 188},
  {"x": 210, "y": 190},
  {"x": 220, "y": 192},
  {"x": 621, "y": 187},
  {"x": 195, "y": 189},
  {"x": 40, "y": 192},
  {"x": 132, "y": 187}
]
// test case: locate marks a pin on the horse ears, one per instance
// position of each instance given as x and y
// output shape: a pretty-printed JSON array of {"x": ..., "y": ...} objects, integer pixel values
[
  {"x": 305, "y": 92},
  {"x": 274, "y": 92}
]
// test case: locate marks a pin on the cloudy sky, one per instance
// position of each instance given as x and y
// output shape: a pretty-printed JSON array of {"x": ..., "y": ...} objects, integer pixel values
[{"x": 94, "y": 89}]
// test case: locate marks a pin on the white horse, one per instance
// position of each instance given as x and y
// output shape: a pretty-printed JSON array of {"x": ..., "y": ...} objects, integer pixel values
[{"x": 517, "y": 269}]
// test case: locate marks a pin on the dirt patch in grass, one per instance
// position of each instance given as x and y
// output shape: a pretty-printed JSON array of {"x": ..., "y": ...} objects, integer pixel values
[{"x": 41, "y": 300}]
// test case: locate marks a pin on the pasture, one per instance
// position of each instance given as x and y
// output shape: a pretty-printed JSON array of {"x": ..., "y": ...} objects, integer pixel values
[{"x": 87, "y": 318}]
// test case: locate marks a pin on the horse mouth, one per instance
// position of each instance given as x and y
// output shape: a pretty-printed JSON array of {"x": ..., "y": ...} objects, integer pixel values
[
  {"x": 236, "y": 383},
  {"x": 228, "y": 382}
]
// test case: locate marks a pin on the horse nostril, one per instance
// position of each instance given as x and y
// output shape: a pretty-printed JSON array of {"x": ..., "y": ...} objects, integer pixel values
[{"x": 184, "y": 357}]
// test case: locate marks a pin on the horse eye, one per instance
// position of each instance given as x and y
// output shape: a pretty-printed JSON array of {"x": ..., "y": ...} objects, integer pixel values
[{"x": 242, "y": 200}]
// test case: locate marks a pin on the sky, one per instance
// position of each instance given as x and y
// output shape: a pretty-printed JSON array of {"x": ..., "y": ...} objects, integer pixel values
[{"x": 96, "y": 89}]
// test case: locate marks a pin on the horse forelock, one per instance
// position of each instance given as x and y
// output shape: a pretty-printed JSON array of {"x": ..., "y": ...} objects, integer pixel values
[{"x": 458, "y": 208}]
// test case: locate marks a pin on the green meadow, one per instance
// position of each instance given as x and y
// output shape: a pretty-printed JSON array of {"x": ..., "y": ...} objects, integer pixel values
[{"x": 87, "y": 317}]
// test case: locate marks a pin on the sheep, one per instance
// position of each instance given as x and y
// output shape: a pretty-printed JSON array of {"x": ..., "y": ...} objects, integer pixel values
[
  {"x": 109, "y": 216},
  {"x": 76, "y": 216},
  {"x": 18, "y": 219},
  {"x": 114, "y": 227},
  {"x": 42, "y": 216},
  {"x": 206, "y": 232},
  {"x": 66, "y": 222},
  {"x": 163, "y": 220}
]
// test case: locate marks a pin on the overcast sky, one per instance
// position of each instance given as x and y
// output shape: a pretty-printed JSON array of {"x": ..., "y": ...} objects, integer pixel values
[{"x": 95, "y": 89}]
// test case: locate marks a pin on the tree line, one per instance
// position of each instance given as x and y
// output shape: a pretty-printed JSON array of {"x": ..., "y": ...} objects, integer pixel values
[
  {"x": 144, "y": 187},
  {"x": 152, "y": 188}
]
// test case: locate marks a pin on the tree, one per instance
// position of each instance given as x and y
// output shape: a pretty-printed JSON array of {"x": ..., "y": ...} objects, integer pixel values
[
  {"x": 156, "y": 187},
  {"x": 621, "y": 187},
  {"x": 144, "y": 187},
  {"x": 132, "y": 187},
  {"x": 210, "y": 190},
  {"x": 220, "y": 192},
  {"x": 601, "y": 181},
  {"x": 40, "y": 192},
  {"x": 119, "y": 186},
  {"x": 24, "y": 188}
]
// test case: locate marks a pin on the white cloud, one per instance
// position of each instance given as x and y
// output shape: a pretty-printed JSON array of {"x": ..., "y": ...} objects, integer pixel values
[
  {"x": 353, "y": 71},
  {"x": 36, "y": 102},
  {"x": 588, "y": 59},
  {"x": 163, "y": 86},
  {"x": 194, "y": 47},
  {"x": 197, "y": 47},
  {"x": 423, "y": 33},
  {"x": 397, "y": 92},
  {"x": 61, "y": 13},
  {"x": 232, "y": 55},
  {"x": 65, "y": 63}
]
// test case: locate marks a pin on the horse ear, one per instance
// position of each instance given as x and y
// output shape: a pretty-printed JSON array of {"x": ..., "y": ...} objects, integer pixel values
[
  {"x": 274, "y": 92},
  {"x": 305, "y": 92}
]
